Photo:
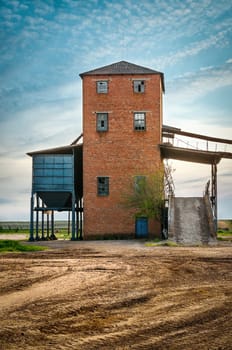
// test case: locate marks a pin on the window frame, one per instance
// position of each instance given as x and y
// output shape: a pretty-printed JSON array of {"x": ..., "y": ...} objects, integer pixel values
[
  {"x": 138, "y": 120},
  {"x": 103, "y": 188},
  {"x": 102, "y": 117},
  {"x": 139, "y": 86},
  {"x": 102, "y": 90},
  {"x": 138, "y": 179}
]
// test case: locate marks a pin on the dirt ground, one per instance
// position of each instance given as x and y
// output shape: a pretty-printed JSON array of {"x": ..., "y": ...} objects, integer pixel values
[{"x": 116, "y": 295}]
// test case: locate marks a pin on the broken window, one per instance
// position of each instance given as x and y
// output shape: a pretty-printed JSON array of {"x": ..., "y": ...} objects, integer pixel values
[
  {"x": 102, "y": 87},
  {"x": 103, "y": 186},
  {"x": 139, "y": 121},
  {"x": 102, "y": 121},
  {"x": 139, "y": 86},
  {"x": 139, "y": 183}
]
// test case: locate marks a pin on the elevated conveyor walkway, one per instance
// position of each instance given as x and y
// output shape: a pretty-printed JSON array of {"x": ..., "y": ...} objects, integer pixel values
[
  {"x": 197, "y": 148},
  {"x": 192, "y": 155},
  {"x": 192, "y": 150}
]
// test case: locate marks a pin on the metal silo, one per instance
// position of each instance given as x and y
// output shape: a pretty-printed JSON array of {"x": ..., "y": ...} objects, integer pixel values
[{"x": 56, "y": 186}]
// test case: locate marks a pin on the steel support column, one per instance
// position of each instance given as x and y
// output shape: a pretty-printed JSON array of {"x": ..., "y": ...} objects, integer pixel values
[
  {"x": 37, "y": 218},
  {"x": 31, "y": 238},
  {"x": 48, "y": 229},
  {"x": 80, "y": 219},
  {"x": 77, "y": 221},
  {"x": 52, "y": 226},
  {"x": 214, "y": 191},
  {"x": 73, "y": 217},
  {"x": 42, "y": 226}
]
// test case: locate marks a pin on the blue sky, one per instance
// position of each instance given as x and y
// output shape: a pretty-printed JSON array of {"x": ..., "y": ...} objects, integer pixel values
[{"x": 46, "y": 44}]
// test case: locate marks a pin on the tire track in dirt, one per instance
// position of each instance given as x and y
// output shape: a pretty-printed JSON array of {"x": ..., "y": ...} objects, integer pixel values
[
  {"x": 138, "y": 299},
  {"x": 54, "y": 282},
  {"x": 141, "y": 327}
]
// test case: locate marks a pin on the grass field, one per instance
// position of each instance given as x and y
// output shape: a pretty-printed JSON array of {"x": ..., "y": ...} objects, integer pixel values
[
  {"x": 22, "y": 227},
  {"x": 61, "y": 229},
  {"x": 15, "y": 246},
  {"x": 25, "y": 225}
]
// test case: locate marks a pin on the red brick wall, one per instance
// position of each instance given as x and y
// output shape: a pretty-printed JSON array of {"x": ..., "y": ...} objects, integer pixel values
[{"x": 119, "y": 153}]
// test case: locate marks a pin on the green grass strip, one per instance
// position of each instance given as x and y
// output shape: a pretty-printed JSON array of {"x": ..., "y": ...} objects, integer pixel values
[
  {"x": 224, "y": 233},
  {"x": 15, "y": 246},
  {"x": 163, "y": 243}
]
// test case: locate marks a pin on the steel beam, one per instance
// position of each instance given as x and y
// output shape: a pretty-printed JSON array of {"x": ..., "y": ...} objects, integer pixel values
[
  {"x": 31, "y": 238},
  {"x": 73, "y": 217},
  {"x": 214, "y": 191}
]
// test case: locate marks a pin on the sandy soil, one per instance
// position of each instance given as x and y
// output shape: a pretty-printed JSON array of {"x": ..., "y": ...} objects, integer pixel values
[
  {"x": 14, "y": 236},
  {"x": 116, "y": 295}
]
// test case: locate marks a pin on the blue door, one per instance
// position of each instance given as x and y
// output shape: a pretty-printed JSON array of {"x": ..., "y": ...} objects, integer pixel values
[{"x": 141, "y": 228}]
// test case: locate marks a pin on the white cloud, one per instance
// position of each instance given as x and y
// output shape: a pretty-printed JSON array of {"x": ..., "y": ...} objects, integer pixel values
[
  {"x": 191, "y": 50},
  {"x": 197, "y": 84},
  {"x": 206, "y": 68},
  {"x": 41, "y": 128},
  {"x": 42, "y": 8},
  {"x": 49, "y": 117},
  {"x": 15, "y": 192}
]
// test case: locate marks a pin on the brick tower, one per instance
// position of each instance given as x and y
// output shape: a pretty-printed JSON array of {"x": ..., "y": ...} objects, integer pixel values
[{"x": 122, "y": 121}]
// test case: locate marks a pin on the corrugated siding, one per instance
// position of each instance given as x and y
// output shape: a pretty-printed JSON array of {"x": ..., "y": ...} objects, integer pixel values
[{"x": 53, "y": 173}]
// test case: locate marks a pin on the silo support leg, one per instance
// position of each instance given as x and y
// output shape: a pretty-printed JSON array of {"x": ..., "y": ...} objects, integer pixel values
[
  {"x": 77, "y": 224},
  {"x": 42, "y": 227},
  {"x": 73, "y": 218},
  {"x": 80, "y": 220},
  {"x": 37, "y": 218},
  {"x": 48, "y": 228},
  {"x": 31, "y": 238},
  {"x": 52, "y": 226}
]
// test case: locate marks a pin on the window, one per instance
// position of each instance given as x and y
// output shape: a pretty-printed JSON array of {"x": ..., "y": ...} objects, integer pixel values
[
  {"x": 102, "y": 121},
  {"x": 103, "y": 186},
  {"x": 139, "y": 121},
  {"x": 102, "y": 87},
  {"x": 139, "y": 86},
  {"x": 139, "y": 183}
]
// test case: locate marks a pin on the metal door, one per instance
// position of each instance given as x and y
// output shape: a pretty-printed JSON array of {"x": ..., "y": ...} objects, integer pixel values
[{"x": 141, "y": 227}]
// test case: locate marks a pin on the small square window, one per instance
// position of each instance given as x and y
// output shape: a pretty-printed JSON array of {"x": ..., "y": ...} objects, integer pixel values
[
  {"x": 102, "y": 121},
  {"x": 139, "y": 121},
  {"x": 102, "y": 87},
  {"x": 139, "y": 86},
  {"x": 103, "y": 186},
  {"x": 139, "y": 183}
]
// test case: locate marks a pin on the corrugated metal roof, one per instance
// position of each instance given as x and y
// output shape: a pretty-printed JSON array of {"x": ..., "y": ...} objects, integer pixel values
[
  {"x": 123, "y": 67},
  {"x": 58, "y": 150}
]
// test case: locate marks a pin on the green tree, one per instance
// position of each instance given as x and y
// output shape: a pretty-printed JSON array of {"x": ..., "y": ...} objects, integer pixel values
[{"x": 146, "y": 195}]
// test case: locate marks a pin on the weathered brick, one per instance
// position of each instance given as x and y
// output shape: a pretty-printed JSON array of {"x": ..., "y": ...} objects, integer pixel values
[{"x": 119, "y": 153}]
